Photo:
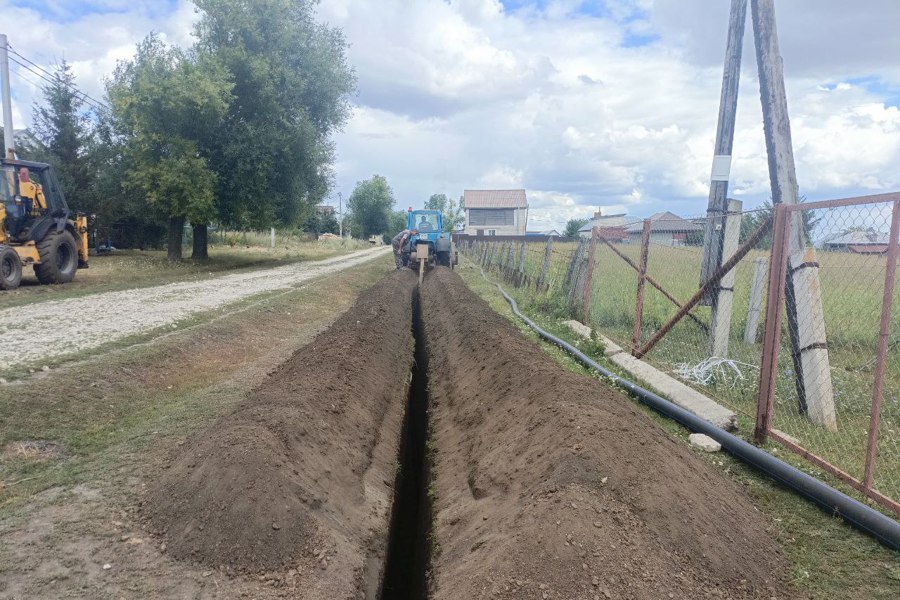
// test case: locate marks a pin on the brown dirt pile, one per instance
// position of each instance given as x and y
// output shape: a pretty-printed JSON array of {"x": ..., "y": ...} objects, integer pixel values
[
  {"x": 551, "y": 484},
  {"x": 298, "y": 478}
]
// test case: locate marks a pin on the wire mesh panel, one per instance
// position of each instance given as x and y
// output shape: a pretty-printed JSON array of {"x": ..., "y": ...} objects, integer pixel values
[
  {"x": 831, "y": 362},
  {"x": 828, "y": 367}
]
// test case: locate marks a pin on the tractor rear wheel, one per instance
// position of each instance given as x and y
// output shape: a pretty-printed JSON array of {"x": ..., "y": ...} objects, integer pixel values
[
  {"x": 10, "y": 269},
  {"x": 59, "y": 258}
]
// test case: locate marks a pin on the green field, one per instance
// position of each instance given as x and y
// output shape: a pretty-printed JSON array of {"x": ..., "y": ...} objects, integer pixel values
[{"x": 852, "y": 289}]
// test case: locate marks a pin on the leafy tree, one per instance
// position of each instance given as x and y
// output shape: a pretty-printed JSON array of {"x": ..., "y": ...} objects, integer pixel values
[
  {"x": 573, "y": 225},
  {"x": 694, "y": 238},
  {"x": 292, "y": 84},
  {"x": 397, "y": 223},
  {"x": 319, "y": 222},
  {"x": 750, "y": 222},
  {"x": 370, "y": 205},
  {"x": 451, "y": 210},
  {"x": 164, "y": 101},
  {"x": 62, "y": 128},
  {"x": 120, "y": 209}
]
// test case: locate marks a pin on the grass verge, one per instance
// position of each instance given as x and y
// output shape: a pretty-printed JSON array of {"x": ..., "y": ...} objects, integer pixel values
[{"x": 110, "y": 410}]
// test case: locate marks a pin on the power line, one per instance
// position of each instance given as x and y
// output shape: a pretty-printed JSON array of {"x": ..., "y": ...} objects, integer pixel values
[
  {"x": 53, "y": 75},
  {"x": 26, "y": 79},
  {"x": 87, "y": 99},
  {"x": 31, "y": 71},
  {"x": 55, "y": 79}
]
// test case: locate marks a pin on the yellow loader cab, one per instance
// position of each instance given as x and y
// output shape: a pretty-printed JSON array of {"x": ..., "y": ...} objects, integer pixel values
[{"x": 36, "y": 227}]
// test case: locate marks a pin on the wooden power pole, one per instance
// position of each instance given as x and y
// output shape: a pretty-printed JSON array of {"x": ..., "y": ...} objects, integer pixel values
[
  {"x": 806, "y": 319},
  {"x": 714, "y": 233}
]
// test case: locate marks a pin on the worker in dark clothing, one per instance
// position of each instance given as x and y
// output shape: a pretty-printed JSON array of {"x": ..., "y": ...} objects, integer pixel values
[{"x": 399, "y": 244}]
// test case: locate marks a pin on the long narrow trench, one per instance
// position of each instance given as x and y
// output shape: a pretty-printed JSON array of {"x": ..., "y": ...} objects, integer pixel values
[{"x": 409, "y": 546}]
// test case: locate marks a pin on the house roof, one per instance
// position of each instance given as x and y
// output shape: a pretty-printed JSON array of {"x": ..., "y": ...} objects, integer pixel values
[
  {"x": 494, "y": 199},
  {"x": 663, "y": 222},
  {"x": 859, "y": 238},
  {"x": 608, "y": 222}
]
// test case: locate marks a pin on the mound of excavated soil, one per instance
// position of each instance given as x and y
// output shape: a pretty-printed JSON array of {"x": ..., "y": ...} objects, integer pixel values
[
  {"x": 298, "y": 478},
  {"x": 551, "y": 484}
]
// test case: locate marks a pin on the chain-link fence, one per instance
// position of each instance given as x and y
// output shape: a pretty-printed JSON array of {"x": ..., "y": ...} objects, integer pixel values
[
  {"x": 836, "y": 373},
  {"x": 823, "y": 378}
]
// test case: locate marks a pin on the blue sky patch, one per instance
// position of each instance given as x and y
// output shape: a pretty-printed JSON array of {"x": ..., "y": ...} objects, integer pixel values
[
  {"x": 68, "y": 12},
  {"x": 878, "y": 86},
  {"x": 886, "y": 91},
  {"x": 632, "y": 40},
  {"x": 598, "y": 9}
]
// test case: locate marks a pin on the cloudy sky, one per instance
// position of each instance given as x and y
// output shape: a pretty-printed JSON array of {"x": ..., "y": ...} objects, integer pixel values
[{"x": 608, "y": 103}]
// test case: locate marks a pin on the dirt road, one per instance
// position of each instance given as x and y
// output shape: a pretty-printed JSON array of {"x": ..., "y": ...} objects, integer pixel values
[{"x": 51, "y": 329}]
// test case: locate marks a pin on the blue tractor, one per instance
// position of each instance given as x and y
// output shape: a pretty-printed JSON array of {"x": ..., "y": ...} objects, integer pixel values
[{"x": 430, "y": 227}]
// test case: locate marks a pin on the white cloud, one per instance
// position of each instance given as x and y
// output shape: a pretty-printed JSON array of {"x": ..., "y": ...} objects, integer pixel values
[
  {"x": 107, "y": 31},
  {"x": 563, "y": 99}
]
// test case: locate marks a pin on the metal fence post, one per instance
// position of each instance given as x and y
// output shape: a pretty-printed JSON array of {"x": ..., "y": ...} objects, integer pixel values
[
  {"x": 751, "y": 328},
  {"x": 884, "y": 333},
  {"x": 548, "y": 252},
  {"x": 589, "y": 277},
  {"x": 642, "y": 278},
  {"x": 768, "y": 370}
]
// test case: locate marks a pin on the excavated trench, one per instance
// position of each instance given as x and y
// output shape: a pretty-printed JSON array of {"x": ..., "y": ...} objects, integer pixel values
[
  {"x": 550, "y": 484},
  {"x": 409, "y": 543}
]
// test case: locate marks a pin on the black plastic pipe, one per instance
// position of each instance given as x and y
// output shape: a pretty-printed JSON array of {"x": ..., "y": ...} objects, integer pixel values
[{"x": 857, "y": 514}]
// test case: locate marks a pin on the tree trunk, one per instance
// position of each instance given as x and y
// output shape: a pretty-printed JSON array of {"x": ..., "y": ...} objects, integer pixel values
[
  {"x": 200, "y": 249},
  {"x": 176, "y": 233}
]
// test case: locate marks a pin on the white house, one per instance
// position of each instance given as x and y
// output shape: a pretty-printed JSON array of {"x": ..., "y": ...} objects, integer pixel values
[
  {"x": 666, "y": 229},
  {"x": 612, "y": 227},
  {"x": 495, "y": 212}
]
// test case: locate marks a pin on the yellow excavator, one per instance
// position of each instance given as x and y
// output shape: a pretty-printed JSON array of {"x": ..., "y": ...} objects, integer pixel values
[{"x": 37, "y": 229}]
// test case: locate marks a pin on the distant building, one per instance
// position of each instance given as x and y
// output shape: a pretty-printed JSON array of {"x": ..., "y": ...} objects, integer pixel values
[
  {"x": 858, "y": 242},
  {"x": 495, "y": 212},
  {"x": 612, "y": 227},
  {"x": 547, "y": 232},
  {"x": 666, "y": 229},
  {"x": 325, "y": 210}
]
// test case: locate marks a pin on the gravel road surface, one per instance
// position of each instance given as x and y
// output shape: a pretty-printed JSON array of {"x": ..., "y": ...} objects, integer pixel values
[{"x": 30, "y": 334}]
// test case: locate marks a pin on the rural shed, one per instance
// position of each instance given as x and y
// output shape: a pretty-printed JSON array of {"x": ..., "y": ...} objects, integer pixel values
[
  {"x": 495, "y": 212},
  {"x": 666, "y": 229}
]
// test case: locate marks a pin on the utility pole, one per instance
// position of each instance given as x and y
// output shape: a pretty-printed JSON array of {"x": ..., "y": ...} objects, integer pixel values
[
  {"x": 9, "y": 142},
  {"x": 340, "y": 215},
  {"x": 714, "y": 233},
  {"x": 806, "y": 317}
]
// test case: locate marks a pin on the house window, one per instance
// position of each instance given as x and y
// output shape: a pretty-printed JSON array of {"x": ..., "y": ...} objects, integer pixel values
[
  {"x": 504, "y": 217},
  {"x": 492, "y": 232}
]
